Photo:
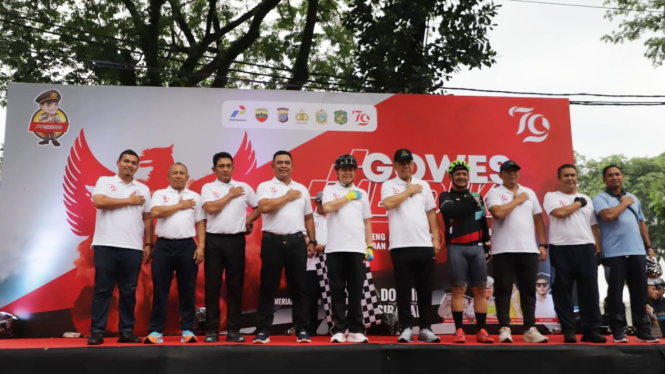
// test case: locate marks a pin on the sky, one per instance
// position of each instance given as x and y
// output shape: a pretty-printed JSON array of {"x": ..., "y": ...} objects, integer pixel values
[{"x": 557, "y": 49}]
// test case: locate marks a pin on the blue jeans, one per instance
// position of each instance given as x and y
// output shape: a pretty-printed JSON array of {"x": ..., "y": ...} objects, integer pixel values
[{"x": 113, "y": 266}]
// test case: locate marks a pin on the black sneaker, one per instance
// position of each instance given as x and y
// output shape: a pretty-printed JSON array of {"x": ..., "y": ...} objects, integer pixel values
[
  {"x": 594, "y": 338},
  {"x": 262, "y": 338},
  {"x": 235, "y": 336},
  {"x": 96, "y": 338},
  {"x": 211, "y": 337},
  {"x": 303, "y": 337},
  {"x": 569, "y": 337},
  {"x": 646, "y": 337},
  {"x": 128, "y": 337},
  {"x": 620, "y": 337}
]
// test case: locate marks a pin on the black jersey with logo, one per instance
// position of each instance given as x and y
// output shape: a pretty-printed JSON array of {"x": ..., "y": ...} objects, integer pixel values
[{"x": 464, "y": 218}]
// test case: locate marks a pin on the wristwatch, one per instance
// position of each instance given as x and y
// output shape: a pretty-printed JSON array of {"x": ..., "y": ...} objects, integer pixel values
[
  {"x": 148, "y": 244},
  {"x": 544, "y": 245},
  {"x": 313, "y": 242}
]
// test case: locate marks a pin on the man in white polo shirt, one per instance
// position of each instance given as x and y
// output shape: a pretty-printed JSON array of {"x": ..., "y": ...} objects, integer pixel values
[
  {"x": 414, "y": 243},
  {"x": 574, "y": 247},
  {"x": 286, "y": 211},
  {"x": 349, "y": 243},
  {"x": 179, "y": 218},
  {"x": 225, "y": 202},
  {"x": 123, "y": 223},
  {"x": 516, "y": 213}
]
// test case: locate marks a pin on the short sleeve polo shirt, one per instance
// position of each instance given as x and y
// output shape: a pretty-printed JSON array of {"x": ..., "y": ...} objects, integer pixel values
[
  {"x": 620, "y": 237},
  {"x": 516, "y": 232},
  {"x": 231, "y": 219},
  {"x": 346, "y": 226},
  {"x": 181, "y": 224},
  {"x": 122, "y": 227},
  {"x": 574, "y": 229},
  {"x": 290, "y": 218}
]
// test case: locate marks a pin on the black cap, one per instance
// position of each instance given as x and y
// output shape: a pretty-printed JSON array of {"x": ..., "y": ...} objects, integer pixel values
[
  {"x": 403, "y": 155},
  {"x": 509, "y": 164},
  {"x": 50, "y": 95}
]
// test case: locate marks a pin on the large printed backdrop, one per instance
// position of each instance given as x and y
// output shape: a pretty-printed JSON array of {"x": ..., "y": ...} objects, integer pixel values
[{"x": 47, "y": 219}]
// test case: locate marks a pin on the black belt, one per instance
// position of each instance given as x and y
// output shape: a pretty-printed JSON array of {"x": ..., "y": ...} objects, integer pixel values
[
  {"x": 174, "y": 240},
  {"x": 226, "y": 235},
  {"x": 270, "y": 235}
]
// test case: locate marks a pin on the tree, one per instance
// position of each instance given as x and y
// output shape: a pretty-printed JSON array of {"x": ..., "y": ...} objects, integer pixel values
[
  {"x": 643, "y": 17},
  {"x": 297, "y": 44},
  {"x": 413, "y": 46},
  {"x": 644, "y": 176},
  {"x": 206, "y": 43}
]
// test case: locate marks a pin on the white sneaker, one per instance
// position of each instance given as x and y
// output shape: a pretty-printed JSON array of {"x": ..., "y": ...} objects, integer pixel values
[
  {"x": 338, "y": 338},
  {"x": 505, "y": 336},
  {"x": 534, "y": 336},
  {"x": 406, "y": 336},
  {"x": 356, "y": 337}
]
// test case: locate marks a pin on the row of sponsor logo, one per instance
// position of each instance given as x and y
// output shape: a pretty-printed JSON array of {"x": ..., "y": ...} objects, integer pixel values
[{"x": 321, "y": 117}]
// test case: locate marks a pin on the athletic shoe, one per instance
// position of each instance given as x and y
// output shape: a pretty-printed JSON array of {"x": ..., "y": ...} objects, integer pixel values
[
  {"x": 188, "y": 337},
  {"x": 647, "y": 338},
  {"x": 620, "y": 337},
  {"x": 427, "y": 336},
  {"x": 303, "y": 337},
  {"x": 406, "y": 336},
  {"x": 357, "y": 337},
  {"x": 534, "y": 336},
  {"x": 459, "y": 337},
  {"x": 594, "y": 338},
  {"x": 211, "y": 337},
  {"x": 505, "y": 336},
  {"x": 262, "y": 338},
  {"x": 338, "y": 338},
  {"x": 154, "y": 338},
  {"x": 234, "y": 336},
  {"x": 483, "y": 337},
  {"x": 569, "y": 337}
]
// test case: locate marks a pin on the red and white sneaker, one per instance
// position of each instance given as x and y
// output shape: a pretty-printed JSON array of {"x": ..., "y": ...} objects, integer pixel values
[
  {"x": 459, "y": 337},
  {"x": 483, "y": 337}
]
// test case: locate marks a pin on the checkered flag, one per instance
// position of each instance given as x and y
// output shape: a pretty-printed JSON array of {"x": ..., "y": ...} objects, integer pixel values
[{"x": 369, "y": 302}]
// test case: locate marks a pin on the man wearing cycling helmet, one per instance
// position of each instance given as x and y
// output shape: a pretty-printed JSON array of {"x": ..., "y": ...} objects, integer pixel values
[
  {"x": 349, "y": 244},
  {"x": 414, "y": 243},
  {"x": 468, "y": 243}
]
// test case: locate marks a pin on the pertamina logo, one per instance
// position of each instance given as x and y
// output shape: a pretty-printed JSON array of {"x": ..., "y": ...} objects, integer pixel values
[
  {"x": 238, "y": 114},
  {"x": 302, "y": 117},
  {"x": 362, "y": 118},
  {"x": 261, "y": 114},
  {"x": 529, "y": 121},
  {"x": 321, "y": 117},
  {"x": 340, "y": 117}
]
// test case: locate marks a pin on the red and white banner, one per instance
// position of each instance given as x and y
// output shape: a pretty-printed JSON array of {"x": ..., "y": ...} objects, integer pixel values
[{"x": 47, "y": 219}]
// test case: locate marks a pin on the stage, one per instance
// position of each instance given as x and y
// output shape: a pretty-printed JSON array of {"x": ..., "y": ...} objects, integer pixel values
[{"x": 284, "y": 355}]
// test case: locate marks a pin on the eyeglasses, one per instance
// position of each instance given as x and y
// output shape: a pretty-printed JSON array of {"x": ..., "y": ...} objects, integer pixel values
[{"x": 542, "y": 284}]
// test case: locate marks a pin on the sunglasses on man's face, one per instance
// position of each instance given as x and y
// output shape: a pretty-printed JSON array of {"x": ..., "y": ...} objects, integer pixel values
[{"x": 542, "y": 284}]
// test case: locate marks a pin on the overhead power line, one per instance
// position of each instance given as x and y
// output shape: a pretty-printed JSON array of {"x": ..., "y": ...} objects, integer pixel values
[{"x": 586, "y": 6}]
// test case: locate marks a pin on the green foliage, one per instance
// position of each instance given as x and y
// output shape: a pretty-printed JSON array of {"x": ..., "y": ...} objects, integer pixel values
[
  {"x": 644, "y": 177},
  {"x": 642, "y": 18},
  {"x": 204, "y": 43},
  {"x": 413, "y": 46}
]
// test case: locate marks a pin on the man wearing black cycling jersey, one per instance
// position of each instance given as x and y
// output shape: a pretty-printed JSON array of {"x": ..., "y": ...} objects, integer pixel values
[{"x": 468, "y": 243}]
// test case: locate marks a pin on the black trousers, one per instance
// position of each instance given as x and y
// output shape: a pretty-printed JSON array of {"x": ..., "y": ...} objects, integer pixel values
[
  {"x": 508, "y": 268},
  {"x": 279, "y": 253},
  {"x": 169, "y": 256},
  {"x": 414, "y": 266},
  {"x": 224, "y": 253},
  {"x": 113, "y": 266},
  {"x": 629, "y": 270},
  {"x": 313, "y": 296},
  {"x": 576, "y": 263},
  {"x": 346, "y": 274}
]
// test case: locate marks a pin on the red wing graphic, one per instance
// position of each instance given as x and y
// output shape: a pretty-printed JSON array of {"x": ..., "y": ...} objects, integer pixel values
[
  {"x": 244, "y": 162},
  {"x": 81, "y": 174}
]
